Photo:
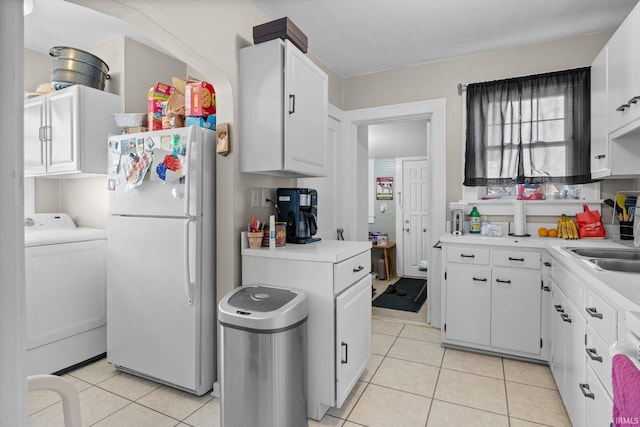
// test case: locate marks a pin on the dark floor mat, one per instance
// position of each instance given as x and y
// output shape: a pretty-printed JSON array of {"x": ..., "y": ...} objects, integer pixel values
[{"x": 403, "y": 302}]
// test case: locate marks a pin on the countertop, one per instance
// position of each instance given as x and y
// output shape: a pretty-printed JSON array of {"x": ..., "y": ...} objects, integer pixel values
[
  {"x": 621, "y": 288},
  {"x": 332, "y": 251}
]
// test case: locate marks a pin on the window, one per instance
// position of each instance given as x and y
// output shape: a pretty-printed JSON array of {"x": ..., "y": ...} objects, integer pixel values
[{"x": 530, "y": 136}]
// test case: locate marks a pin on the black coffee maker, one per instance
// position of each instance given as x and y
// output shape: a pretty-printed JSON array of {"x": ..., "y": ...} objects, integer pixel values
[{"x": 298, "y": 207}]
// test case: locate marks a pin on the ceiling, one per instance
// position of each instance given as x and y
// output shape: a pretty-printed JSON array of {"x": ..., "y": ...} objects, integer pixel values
[{"x": 355, "y": 37}]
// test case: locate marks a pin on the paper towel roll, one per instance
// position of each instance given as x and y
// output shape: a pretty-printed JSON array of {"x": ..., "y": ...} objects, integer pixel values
[{"x": 519, "y": 218}]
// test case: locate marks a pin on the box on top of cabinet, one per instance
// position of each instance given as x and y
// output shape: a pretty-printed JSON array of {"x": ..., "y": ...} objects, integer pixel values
[{"x": 282, "y": 28}]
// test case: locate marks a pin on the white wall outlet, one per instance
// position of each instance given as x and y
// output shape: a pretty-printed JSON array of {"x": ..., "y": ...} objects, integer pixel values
[
  {"x": 267, "y": 193},
  {"x": 255, "y": 198}
]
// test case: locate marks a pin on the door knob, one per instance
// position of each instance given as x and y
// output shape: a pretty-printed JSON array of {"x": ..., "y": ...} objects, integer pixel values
[{"x": 424, "y": 230}]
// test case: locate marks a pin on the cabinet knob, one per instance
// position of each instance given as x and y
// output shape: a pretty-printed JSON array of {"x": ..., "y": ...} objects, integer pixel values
[
  {"x": 358, "y": 268},
  {"x": 547, "y": 264},
  {"x": 593, "y": 354},
  {"x": 600, "y": 156},
  {"x": 634, "y": 100},
  {"x": 565, "y": 317},
  {"x": 623, "y": 107},
  {"x": 586, "y": 391},
  {"x": 593, "y": 312},
  {"x": 559, "y": 308}
]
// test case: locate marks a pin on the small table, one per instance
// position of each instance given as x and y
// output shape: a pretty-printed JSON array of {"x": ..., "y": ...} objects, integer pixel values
[{"x": 389, "y": 263}]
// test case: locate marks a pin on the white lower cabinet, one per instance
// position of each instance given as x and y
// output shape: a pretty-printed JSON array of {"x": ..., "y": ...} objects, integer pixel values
[
  {"x": 584, "y": 326},
  {"x": 353, "y": 316},
  {"x": 468, "y": 304},
  {"x": 335, "y": 276},
  {"x": 492, "y": 300}
]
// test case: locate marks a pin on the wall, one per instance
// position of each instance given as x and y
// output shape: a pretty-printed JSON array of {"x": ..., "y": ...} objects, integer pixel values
[
  {"x": 440, "y": 80},
  {"x": 385, "y": 221}
]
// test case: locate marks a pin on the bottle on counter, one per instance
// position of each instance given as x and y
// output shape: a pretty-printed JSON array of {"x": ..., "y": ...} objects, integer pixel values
[{"x": 474, "y": 221}]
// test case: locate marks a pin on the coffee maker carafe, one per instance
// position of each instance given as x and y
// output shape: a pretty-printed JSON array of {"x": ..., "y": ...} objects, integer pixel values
[
  {"x": 298, "y": 207},
  {"x": 457, "y": 217}
]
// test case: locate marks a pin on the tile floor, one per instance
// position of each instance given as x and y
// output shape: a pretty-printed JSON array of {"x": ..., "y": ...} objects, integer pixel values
[{"x": 410, "y": 381}]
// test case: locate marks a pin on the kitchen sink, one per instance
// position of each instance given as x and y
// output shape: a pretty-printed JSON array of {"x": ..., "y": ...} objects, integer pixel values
[
  {"x": 623, "y": 265},
  {"x": 613, "y": 253}
]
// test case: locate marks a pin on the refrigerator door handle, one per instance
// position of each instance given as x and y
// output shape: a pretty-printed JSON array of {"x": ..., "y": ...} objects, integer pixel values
[{"x": 187, "y": 270}]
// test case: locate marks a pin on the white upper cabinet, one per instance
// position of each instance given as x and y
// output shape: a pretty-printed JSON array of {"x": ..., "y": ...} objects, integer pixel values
[
  {"x": 283, "y": 111},
  {"x": 622, "y": 108},
  {"x": 615, "y": 104},
  {"x": 65, "y": 132}
]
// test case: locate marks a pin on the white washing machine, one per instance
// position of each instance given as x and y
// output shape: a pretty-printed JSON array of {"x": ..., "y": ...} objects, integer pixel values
[{"x": 66, "y": 287}]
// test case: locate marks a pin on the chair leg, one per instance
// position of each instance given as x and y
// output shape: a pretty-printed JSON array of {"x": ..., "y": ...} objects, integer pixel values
[{"x": 66, "y": 390}]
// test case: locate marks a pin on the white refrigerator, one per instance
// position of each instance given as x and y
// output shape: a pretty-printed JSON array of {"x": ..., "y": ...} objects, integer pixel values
[{"x": 161, "y": 257}]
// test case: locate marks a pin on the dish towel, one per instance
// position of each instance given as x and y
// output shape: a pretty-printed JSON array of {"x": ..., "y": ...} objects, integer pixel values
[{"x": 625, "y": 379}]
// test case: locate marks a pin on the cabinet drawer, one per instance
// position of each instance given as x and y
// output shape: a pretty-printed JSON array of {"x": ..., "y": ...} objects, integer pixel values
[
  {"x": 517, "y": 259},
  {"x": 599, "y": 358},
  {"x": 351, "y": 270},
  {"x": 468, "y": 255},
  {"x": 602, "y": 317}
]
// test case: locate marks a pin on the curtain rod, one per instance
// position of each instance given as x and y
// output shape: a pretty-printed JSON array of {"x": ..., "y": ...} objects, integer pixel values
[{"x": 461, "y": 88}]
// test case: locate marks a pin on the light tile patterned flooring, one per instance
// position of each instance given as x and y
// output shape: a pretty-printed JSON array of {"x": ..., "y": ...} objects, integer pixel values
[{"x": 410, "y": 381}]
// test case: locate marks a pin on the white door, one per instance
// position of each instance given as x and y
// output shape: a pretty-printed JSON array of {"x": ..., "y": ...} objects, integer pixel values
[
  {"x": 415, "y": 216},
  {"x": 468, "y": 304},
  {"x": 153, "y": 325},
  {"x": 305, "y": 111},
  {"x": 34, "y": 147},
  {"x": 327, "y": 188},
  {"x": 515, "y": 310},
  {"x": 62, "y": 115},
  {"x": 353, "y": 336}
]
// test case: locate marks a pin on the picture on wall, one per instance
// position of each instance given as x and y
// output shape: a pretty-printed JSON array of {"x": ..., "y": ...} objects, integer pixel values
[{"x": 384, "y": 188}]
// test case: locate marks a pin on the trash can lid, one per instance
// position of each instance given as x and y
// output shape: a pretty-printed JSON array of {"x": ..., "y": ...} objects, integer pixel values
[{"x": 262, "y": 307}]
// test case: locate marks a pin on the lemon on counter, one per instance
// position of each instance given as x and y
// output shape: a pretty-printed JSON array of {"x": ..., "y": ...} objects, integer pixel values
[
  {"x": 553, "y": 232},
  {"x": 543, "y": 232}
]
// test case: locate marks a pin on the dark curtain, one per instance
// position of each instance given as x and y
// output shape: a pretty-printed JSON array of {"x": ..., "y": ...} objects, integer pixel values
[{"x": 532, "y": 129}]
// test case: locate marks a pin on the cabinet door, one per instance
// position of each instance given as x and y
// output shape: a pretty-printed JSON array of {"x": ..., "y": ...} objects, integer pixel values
[
  {"x": 599, "y": 106},
  {"x": 305, "y": 114},
  {"x": 598, "y": 404},
  {"x": 62, "y": 116},
  {"x": 558, "y": 339},
  {"x": 619, "y": 77},
  {"x": 468, "y": 304},
  {"x": 576, "y": 326},
  {"x": 515, "y": 314},
  {"x": 34, "y": 135},
  {"x": 353, "y": 336}
]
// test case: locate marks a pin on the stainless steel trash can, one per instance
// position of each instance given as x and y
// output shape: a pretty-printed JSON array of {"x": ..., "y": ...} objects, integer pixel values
[{"x": 263, "y": 333}]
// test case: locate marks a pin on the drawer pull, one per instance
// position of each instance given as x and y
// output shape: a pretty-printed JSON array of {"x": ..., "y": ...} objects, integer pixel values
[
  {"x": 547, "y": 264},
  {"x": 467, "y": 256},
  {"x": 516, "y": 259},
  {"x": 634, "y": 100},
  {"x": 593, "y": 312},
  {"x": 359, "y": 268},
  {"x": 546, "y": 289},
  {"x": 600, "y": 156},
  {"x": 565, "y": 317},
  {"x": 559, "y": 308},
  {"x": 586, "y": 393},
  {"x": 593, "y": 354},
  {"x": 477, "y": 279},
  {"x": 503, "y": 281},
  {"x": 623, "y": 107},
  {"x": 346, "y": 353}
]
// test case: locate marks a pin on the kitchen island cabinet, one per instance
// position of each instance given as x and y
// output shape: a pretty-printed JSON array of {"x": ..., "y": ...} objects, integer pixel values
[
  {"x": 283, "y": 111},
  {"x": 336, "y": 277},
  {"x": 65, "y": 131}
]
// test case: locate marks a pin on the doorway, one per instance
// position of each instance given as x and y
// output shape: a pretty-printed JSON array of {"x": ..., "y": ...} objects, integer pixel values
[{"x": 357, "y": 127}]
